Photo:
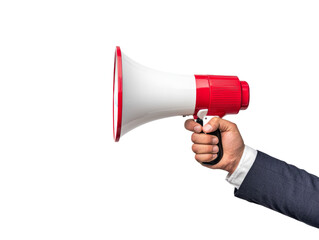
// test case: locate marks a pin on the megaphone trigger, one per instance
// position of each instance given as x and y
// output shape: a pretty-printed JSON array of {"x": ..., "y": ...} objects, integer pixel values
[{"x": 200, "y": 119}]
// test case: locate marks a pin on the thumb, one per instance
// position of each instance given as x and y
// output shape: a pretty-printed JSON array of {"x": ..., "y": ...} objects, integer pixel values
[{"x": 218, "y": 123}]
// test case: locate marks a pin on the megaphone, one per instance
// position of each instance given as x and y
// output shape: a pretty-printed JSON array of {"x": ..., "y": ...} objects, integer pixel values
[{"x": 141, "y": 95}]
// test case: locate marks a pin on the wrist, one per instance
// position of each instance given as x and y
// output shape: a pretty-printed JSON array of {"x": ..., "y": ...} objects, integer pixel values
[
  {"x": 233, "y": 164},
  {"x": 245, "y": 163}
]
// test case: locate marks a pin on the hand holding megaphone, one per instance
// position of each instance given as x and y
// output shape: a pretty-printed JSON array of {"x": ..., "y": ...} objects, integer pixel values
[
  {"x": 206, "y": 146},
  {"x": 141, "y": 95}
]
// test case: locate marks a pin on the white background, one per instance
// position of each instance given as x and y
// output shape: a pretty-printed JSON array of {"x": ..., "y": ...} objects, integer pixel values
[{"x": 61, "y": 174}]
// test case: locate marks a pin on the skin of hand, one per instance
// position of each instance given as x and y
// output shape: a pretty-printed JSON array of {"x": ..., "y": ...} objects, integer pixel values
[{"x": 205, "y": 147}]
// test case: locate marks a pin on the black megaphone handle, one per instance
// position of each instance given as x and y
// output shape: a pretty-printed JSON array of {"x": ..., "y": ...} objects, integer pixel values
[{"x": 220, "y": 145}]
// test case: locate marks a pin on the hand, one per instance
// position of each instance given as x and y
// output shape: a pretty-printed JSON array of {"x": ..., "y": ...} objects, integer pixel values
[{"x": 205, "y": 147}]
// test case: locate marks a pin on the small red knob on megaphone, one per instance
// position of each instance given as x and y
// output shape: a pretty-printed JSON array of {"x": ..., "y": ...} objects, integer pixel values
[{"x": 244, "y": 95}]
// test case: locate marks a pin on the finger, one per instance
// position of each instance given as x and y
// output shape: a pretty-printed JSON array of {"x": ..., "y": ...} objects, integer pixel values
[
  {"x": 201, "y": 138},
  {"x": 193, "y": 126},
  {"x": 218, "y": 123},
  {"x": 202, "y": 148},
  {"x": 205, "y": 157}
]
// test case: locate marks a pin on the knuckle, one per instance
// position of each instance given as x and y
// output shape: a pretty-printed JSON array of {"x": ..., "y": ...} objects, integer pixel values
[
  {"x": 194, "y": 148},
  {"x": 234, "y": 125},
  {"x": 215, "y": 120},
  {"x": 186, "y": 124},
  {"x": 194, "y": 137}
]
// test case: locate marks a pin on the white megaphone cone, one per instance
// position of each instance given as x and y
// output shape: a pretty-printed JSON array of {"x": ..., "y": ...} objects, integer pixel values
[{"x": 141, "y": 94}]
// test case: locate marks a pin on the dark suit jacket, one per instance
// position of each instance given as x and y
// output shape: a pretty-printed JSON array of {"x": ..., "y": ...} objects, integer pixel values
[{"x": 283, "y": 188}]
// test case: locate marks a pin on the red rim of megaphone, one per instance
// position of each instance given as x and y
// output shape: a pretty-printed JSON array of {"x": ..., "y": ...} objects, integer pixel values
[{"x": 119, "y": 82}]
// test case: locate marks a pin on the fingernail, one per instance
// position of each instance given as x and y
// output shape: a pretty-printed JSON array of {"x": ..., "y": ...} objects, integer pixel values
[
  {"x": 197, "y": 129},
  {"x": 215, "y": 149},
  {"x": 207, "y": 128},
  {"x": 215, "y": 140}
]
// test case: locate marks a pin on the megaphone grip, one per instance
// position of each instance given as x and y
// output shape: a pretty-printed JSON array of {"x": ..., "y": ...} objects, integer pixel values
[{"x": 220, "y": 153}]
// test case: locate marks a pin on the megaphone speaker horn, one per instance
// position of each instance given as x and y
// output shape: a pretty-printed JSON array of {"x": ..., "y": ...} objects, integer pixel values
[{"x": 141, "y": 94}]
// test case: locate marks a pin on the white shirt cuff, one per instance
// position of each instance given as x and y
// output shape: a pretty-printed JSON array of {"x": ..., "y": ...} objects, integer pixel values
[{"x": 245, "y": 163}]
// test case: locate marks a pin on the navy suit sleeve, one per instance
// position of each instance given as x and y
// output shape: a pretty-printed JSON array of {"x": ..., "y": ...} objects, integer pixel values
[{"x": 283, "y": 188}]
